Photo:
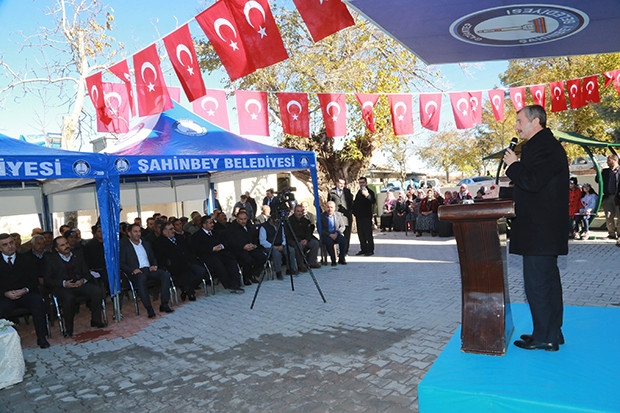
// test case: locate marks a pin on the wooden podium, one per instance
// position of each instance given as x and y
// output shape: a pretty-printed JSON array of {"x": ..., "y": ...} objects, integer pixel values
[{"x": 486, "y": 317}]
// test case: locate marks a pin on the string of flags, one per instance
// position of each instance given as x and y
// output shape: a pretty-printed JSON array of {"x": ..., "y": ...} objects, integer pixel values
[{"x": 236, "y": 27}]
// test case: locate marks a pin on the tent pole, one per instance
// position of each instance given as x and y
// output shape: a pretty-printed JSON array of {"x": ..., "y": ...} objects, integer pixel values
[{"x": 138, "y": 208}]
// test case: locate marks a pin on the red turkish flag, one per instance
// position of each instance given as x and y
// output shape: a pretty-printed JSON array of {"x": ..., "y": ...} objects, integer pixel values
[
  {"x": 152, "y": 92},
  {"x": 430, "y": 110},
  {"x": 252, "y": 111},
  {"x": 116, "y": 108},
  {"x": 558, "y": 100},
  {"x": 517, "y": 96},
  {"x": 368, "y": 102},
  {"x": 294, "y": 113},
  {"x": 334, "y": 108},
  {"x": 590, "y": 91},
  {"x": 259, "y": 31},
  {"x": 180, "y": 48},
  {"x": 462, "y": 110},
  {"x": 496, "y": 96},
  {"x": 475, "y": 104},
  {"x": 539, "y": 94},
  {"x": 213, "y": 108},
  {"x": 612, "y": 76},
  {"x": 574, "y": 93},
  {"x": 401, "y": 108},
  {"x": 221, "y": 29},
  {"x": 95, "y": 91},
  {"x": 324, "y": 18},
  {"x": 121, "y": 70}
]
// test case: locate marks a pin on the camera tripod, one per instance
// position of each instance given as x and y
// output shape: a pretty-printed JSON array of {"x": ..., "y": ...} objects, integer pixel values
[{"x": 281, "y": 221}]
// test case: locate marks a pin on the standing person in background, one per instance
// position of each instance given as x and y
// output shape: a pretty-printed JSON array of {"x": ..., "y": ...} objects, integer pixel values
[
  {"x": 611, "y": 177},
  {"x": 343, "y": 198},
  {"x": 574, "y": 204},
  {"x": 538, "y": 231},
  {"x": 362, "y": 209}
]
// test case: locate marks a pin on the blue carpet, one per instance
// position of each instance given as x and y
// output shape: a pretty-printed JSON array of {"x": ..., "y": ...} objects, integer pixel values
[{"x": 584, "y": 376}]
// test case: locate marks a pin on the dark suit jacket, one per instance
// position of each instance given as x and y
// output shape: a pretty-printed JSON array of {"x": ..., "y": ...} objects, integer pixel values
[
  {"x": 362, "y": 206},
  {"x": 541, "y": 198},
  {"x": 129, "y": 258},
  {"x": 23, "y": 274},
  {"x": 175, "y": 258},
  {"x": 56, "y": 269},
  {"x": 302, "y": 228},
  {"x": 606, "y": 173},
  {"x": 344, "y": 202},
  {"x": 339, "y": 224},
  {"x": 203, "y": 245},
  {"x": 237, "y": 237}
]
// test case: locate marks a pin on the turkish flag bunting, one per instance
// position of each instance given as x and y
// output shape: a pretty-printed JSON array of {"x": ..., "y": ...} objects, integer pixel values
[
  {"x": 539, "y": 94},
  {"x": 496, "y": 96},
  {"x": 368, "y": 102},
  {"x": 324, "y": 18},
  {"x": 213, "y": 108},
  {"x": 590, "y": 91},
  {"x": 517, "y": 96},
  {"x": 259, "y": 31},
  {"x": 221, "y": 29},
  {"x": 95, "y": 91},
  {"x": 180, "y": 48},
  {"x": 475, "y": 104},
  {"x": 613, "y": 77},
  {"x": 121, "y": 70},
  {"x": 152, "y": 92},
  {"x": 430, "y": 110},
  {"x": 401, "y": 108},
  {"x": 294, "y": 113},
  {"x": 558, "y": 99},
  {"x": 462, "y": 110},
  {"x": 116, "y": 109},
  {"x": 334, "y": 108},
  {"x": 252, "y": 111},
  {"x": 575, "y": 93},
  {"x": 175, "y": 93}
]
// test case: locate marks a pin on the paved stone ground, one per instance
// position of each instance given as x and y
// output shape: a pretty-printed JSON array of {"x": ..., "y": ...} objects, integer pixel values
[{"x": 366, "y": 349}]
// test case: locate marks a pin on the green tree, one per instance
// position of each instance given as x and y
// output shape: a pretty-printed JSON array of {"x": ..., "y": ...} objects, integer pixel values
[
  {"x": 67, "y": 54},
  {"x": 359, "y": 59},
  {"x": 451, "y": 150}
]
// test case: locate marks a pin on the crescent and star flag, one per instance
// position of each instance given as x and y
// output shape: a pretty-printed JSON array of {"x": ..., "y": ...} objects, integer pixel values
[
  {"x": 252, "y": 111},
  {"x": 116, "y": 108},
  {"x": 590, "y": 89},
  {"x": 334, "y": 108},
  {"x": 180, "y": 48},
  {"x": 368, "y": 102},
  {"x": 575, "y": 95},
  {"x": 558, "y": 99},
  {"x": 475, "y": 104},
  {"x": 613, "y": 76},
  {"x": 462, "y": 111},
  {"x": 294, "y": 113},
  {"x": 121, "y": 70},
  {"x": 517, "y": 96},
  {"x": 221, "y": 29},
  {"x": 213, "y": 108},
  {"x": 95, "y": 91},
  {"x": 496, "y": 96},
  {"x": 324, "y": 18},
  {"x": 430, "y": 110},
  {"x": 539, "y": 94},
  {"x": 153, "y": 97},
  {"x": 259, "y": 31},
  {"x": 401, "y": 108}
]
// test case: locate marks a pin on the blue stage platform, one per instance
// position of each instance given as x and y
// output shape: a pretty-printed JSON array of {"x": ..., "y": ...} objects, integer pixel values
[{"x": 584, "y": 376}]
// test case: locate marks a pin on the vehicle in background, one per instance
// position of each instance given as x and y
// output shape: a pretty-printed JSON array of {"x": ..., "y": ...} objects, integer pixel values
[
  {"x": 477, "y": 180},
  {"x": 583, "y": 163}
]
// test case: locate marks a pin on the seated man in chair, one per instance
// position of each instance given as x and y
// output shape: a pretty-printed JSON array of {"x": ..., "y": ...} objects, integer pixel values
[
  {"x": 303, "y": 230},
  {"x": 139, "y": 263},
  {"x": 271, "y": 237},
  {"x": 332, "y": 233},
  {"x": 67, "y": 275},
  {"x": 19, "y": 287}
]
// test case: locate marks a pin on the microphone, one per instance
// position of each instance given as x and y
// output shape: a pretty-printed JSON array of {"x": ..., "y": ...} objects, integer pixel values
[{"x": 513, "y": 144}]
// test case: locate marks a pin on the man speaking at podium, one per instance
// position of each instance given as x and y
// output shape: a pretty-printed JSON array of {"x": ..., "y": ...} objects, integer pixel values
[{"x": 538, "y": 231}]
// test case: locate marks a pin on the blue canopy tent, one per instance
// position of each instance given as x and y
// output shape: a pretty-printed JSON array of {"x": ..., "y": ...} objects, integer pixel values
[{"x": 23, "y": 162}]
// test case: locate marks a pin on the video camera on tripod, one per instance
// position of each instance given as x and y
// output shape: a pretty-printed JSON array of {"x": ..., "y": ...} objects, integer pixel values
[{"x": 284, "y": 201}]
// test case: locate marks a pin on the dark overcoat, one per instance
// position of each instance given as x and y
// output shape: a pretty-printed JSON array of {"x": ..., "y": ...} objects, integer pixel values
[{"x": 541, "y": 197}]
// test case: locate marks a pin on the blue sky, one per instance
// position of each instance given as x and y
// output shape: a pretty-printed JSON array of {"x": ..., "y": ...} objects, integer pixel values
[{"x": 137, "y": 24}]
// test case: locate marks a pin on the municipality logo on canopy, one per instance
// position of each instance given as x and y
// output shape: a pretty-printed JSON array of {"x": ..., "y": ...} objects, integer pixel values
[{"x": 519, "y": 25}]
